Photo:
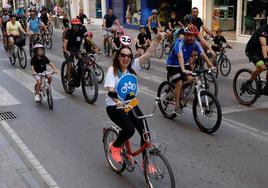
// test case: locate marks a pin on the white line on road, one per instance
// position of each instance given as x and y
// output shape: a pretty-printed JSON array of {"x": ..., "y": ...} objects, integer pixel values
[
  {"x": 33, "y": 164},
  {"x": 240, "y": 108},
  {"x": 247, "y": 129},
  {"x": 6, "y": 98},
  {"x": 27, "y": 81}
]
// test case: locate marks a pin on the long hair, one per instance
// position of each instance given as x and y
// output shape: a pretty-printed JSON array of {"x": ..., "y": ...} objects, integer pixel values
[{"x": 116, "y": 63}]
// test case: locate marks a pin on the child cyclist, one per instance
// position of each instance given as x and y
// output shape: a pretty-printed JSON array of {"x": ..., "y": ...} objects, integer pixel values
[
  {"x": 89, "y": 45},
  {"x": 39, "y": 63},
  {"x": 143, "y": 41},
  {"x": 219, "y": 40}
]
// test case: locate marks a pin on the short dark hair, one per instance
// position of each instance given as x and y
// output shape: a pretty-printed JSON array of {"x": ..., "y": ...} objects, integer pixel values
[
  {"x": 110, "y": 8},
  {"x": 194, "y": 8}
]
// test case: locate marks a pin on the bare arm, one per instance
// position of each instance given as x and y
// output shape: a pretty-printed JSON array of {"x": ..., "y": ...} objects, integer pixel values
[
  {"x": 207, "y": 30},
  {"x": 205, "y": 57},
  {"x": 180, "y": 24},
  {"x": 104, "y": 23},
  {"x": 117, "y": 22},
  {"x": 159, "y": 26},
  {"x": 169, "y": 26},
  {"x": 53, "y": 67},
  {"x": 181, "y": 61},
  {"x": 263, "y": 46},
  {"x": 65, "y": 42},
  {"x": 149, "y": 24}
]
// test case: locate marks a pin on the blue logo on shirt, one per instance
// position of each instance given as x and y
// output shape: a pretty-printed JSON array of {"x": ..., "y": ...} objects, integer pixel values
[{"x": 127, "y": 87}]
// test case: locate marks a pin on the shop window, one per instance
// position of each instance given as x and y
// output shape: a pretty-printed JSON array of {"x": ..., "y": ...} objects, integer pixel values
[
  {"x": 133, "y": 12},
  {"x": 254, "y": 14}
]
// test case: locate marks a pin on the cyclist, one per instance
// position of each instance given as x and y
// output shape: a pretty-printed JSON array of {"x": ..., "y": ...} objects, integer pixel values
[
  {"x": 13, "y": 31},
  {"x": 45, "y": 17},
  {"x": 173, "y": 25},
  {"x": 3, "y": 23},
  {"x": 82, "y": 16},
  {"x": 72, "y": 42},
  {"x": 143, "y": 41},
  {"x": 256, "y": 51},
  {"x": 39, "y": 63},
  {"x": 178, "y": 62},
  {"x": 33, "y": 25},
  {"x": 154, "y": 24},
  {"x": 219, "y": 40},
  {"x": 124, "y": 66},
  {"x": 116, "y": 43},
  {"x": 20, "y": 11},
  {"x": 89, "y": 44}
]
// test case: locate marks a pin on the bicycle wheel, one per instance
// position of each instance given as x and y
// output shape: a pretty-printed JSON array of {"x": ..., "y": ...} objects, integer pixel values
[
  {"x": 22, "y": 57},
  {"x": 208, "y": 117},
  {"x": 109, "y": 136},
  {"x": 245, "y": 97},
  {"x": 147, "y": 64},
  {"x": 161, "y": 174},
  {"x": 159, "y": 51},
  {"x": 66, "y": 87},
  {"x": 99, "y": 73},
  {"x": 166, "y": 46},
  {"x": 89, "y": 85},
  {"x": 106, "y": 48},
  {"x": 12, "y": 59},
  {"x": 49, "y": 98},
  {"x": 210, "y": 83},
  {"x": 225, "y": 66},
  {"x": 48, "y": 41},
  {"x": 214, "y": 72},
  {"x": 167, "y": 99},
  {"x": 50, "y": 29}
]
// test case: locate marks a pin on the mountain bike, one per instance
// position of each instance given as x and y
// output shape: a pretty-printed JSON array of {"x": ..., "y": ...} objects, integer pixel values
[
  {"x": 162, "y": 175},
  {"x": 18, "y": 52},
  {"x": 81, "y": 74},
  {"x": 107, "y": 45},
  {"x": 46, "y": 89},
  {"x": 147, "y": 63},
  {"x": 223, "y": 62},
  {"x": 47, "y": 39},
  {"x": 36, "y": 38},
  {"x": 247, "y": 96},
  {"x": 50, "y": 28},
  {"x": 205, "y": 105}
]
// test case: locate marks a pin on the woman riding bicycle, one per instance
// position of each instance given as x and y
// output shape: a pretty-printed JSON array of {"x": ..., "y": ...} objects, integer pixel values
[
  {"x": 154, "y": 25},
  {"x": 124, "y": 66}
]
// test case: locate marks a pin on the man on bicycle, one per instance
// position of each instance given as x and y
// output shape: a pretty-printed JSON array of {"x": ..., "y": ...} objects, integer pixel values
[
  {"x": 13, "y": 31},
  {"x": 33, "y": 25},
  {"x": 72, "y": 42},
  {"x": 45, "y": 17},
  {"x": 178, "y": 62},
  {"x": 256, "y": 51},
  {"x": 3, "y": 23}
]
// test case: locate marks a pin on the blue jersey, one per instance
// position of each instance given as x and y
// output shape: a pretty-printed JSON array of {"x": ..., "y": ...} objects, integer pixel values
[
  {"x": 34, "y": 25},
  {"x": 186, "y": 50}
]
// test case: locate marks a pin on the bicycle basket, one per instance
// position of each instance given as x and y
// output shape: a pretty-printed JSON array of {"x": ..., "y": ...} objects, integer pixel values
[{"x": 20, "y": 41}]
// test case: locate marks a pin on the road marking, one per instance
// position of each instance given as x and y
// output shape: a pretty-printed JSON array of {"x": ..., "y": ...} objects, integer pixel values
[
  {"x": 6, "y": 98},
  {"x": 39, "y": 172},
  {"x": 247, "y": 129},
  {"x": 27, "y": 81},
  {"x": 241, "y": 108}
]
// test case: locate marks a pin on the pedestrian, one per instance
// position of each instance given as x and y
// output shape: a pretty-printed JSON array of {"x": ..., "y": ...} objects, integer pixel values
[
  {"x": 215, "y": 25},
  {"x": 57, "y": 10}
]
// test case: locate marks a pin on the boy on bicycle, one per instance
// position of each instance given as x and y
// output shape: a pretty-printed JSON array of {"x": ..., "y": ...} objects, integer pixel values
[
  {"x": 143, "y": 41},
  {"x": 89, "y": 45},
  {"x": 219, "y": 40},
  {"x": 39, "y": 63}
]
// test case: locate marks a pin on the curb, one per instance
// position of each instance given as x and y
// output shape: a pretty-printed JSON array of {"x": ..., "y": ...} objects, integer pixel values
[{"x": 35, "y": 167}]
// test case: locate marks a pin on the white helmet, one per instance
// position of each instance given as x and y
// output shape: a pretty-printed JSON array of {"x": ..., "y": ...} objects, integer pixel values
[
  {"x": 36, "y": 47},
  {"x": 154, "y": 11}
]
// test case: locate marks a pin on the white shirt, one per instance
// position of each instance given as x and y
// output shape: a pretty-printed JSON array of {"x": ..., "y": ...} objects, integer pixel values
[{"x": 112, "y": 80}]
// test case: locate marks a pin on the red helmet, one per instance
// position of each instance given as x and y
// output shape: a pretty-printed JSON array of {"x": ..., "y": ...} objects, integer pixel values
[
  {"x": 75, "y": 21},
  {"x": 89, "y": 34},
  {"x": 191, "y": 29}
]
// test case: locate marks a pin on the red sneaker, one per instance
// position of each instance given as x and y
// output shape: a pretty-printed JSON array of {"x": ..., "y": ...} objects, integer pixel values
[{"x": 116, "y": 153}]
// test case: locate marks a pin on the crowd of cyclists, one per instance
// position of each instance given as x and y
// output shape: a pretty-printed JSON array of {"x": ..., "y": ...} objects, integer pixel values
[{"x": 185, "y": 37}]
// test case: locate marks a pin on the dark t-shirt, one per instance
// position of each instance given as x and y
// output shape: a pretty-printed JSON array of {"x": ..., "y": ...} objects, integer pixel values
[
  {"x": 174, "y": 22},
  {"x": 81, "y": 18},
  {"x": 44, "y": 18},
  {"x": 142, "y": 37},
  {"x": 197, "y": 22},
  {"x": 109, "y": 20},
  {"x": 40, "y": 64},
  {"x": 65, "y": 22},
  {"x": 74, "y": 39},
  {"x": 254, "y": 45},
  {"x": 219, "y": 40},
  {"x": 88, "y": 46},
  {"x": 117, "y": 42}
]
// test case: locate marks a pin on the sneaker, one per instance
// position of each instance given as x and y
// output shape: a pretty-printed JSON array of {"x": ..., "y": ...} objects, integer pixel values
[
  {"x": 116, "y": 153},
  {"x": 36, "y": 98},
  {"x": 179, "y": 110}
]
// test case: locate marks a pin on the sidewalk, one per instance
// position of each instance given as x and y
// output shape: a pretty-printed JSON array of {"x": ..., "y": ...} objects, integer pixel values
[{"x": 13, "y": 171}]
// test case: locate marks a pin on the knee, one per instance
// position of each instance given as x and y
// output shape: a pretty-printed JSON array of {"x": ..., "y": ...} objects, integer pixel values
[{"x": 130, "y": 131}]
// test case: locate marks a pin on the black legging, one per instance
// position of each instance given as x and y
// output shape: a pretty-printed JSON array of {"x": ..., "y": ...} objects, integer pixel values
[{"x": 127, "y": 122}]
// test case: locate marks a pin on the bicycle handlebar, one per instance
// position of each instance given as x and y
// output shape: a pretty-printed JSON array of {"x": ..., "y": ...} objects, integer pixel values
[{"x": 45, "y": 73}]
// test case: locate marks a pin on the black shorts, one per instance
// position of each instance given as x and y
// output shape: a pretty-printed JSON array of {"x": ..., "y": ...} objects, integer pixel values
[
  {"x": 174, "y": 74},
  {"x": 255, "y": 58}
]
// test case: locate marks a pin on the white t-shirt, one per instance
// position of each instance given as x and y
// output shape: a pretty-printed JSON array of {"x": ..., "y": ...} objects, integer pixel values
[{"x": 112, "y": 80}]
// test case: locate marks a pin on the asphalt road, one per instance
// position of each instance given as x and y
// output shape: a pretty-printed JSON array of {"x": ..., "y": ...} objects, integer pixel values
[{"x": 68, "y": 140}]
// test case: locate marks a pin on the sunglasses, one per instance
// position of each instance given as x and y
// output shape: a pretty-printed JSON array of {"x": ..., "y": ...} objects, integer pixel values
[{"x": 129, "y": 56}]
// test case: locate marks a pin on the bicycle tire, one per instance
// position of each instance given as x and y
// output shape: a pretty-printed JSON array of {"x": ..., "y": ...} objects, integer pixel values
[
  {"x": 166, "y": 46},
  {"x": 107, "y": 48},
  {"x": 67, "y": 89},
  {"x": 49, "y": 99},
  {"x": 147, "y": 64},
  {"x": 225, "y": 64},
  {"x": 149, "y": 177},
  {"x": 89, "y": 75},
  {"x": 48, "y": 42},
  {"x": 12, "y": 59},
  {"x": 121, "y": 166},
  {"x": 213, "y": 101},
  {"x": 237, "y": 92},
  {"x": 50, "y": 29},
  {"x": 160, "y": 94},
  {"x": 159, "y": 51},
  {"x": 208, "y": 79},
  {"x": 21, "y": 52}
]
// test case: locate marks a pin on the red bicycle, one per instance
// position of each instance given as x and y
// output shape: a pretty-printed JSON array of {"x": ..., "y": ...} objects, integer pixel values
[{"x": 156, "y": 168}]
